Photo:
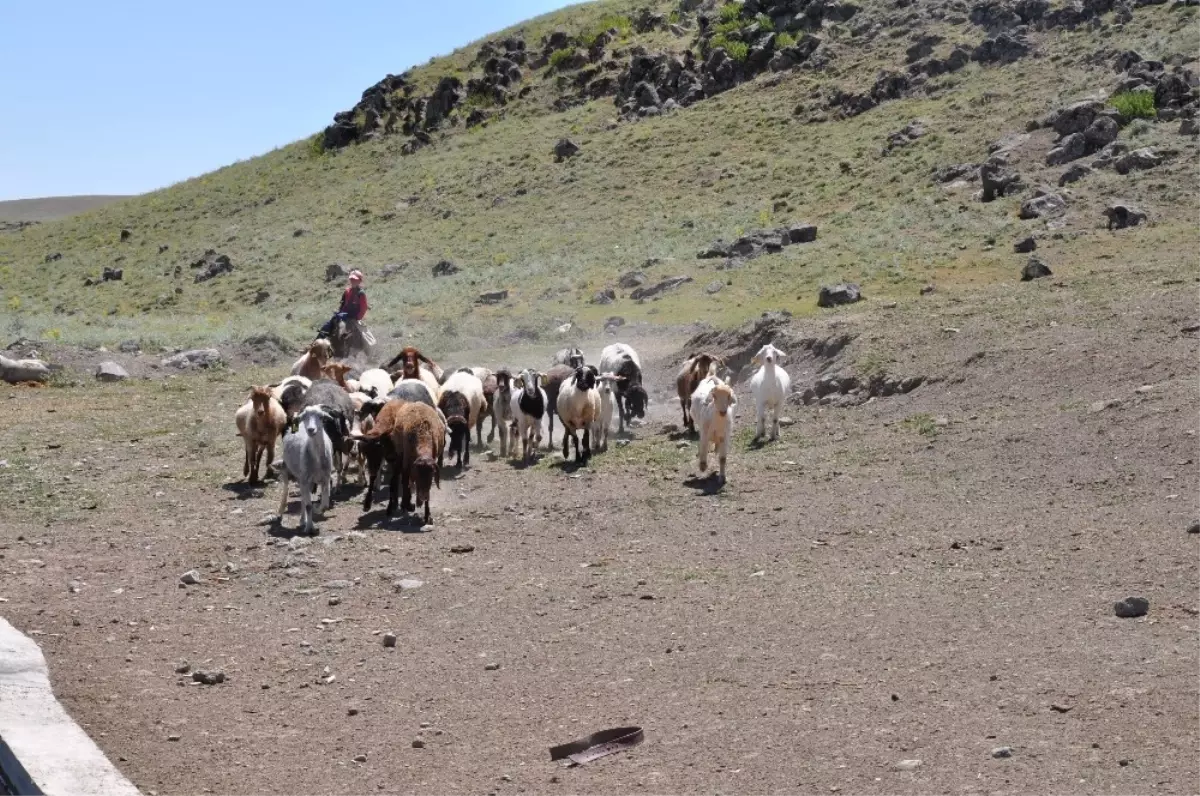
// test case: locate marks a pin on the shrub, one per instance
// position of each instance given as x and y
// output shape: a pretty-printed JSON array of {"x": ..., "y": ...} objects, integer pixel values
[
  {"x": 1134, "y": 105},
  {"x": 784, "y": 39},
  {"x": 765, "y": 22},
  {"x": 737, "y": 50},
  {"x": 730, "y": 12},
  {"x": 316, "y": 145},
  {"x": 559, "y": 58},
  {"x": 724, "y": 28}
]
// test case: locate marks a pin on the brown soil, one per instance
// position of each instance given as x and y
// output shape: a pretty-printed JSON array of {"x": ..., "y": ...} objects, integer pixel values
[{"x": 924, "y": 577}]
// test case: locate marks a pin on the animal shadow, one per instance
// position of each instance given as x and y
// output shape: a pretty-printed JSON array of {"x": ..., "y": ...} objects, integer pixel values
[
  {"x": 378, "y": 519},
  {"x": 244, "y": 490},
  {"x": 705, "y": 484}
]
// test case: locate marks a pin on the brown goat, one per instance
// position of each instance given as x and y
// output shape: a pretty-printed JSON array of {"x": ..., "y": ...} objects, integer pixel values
[
  {"x": 260, "y": 421},
  {"x": 412, "y": 437},
  {"x": 693, "y": 371},
  {"x": 312, "y": 364},
  {"x": 412, "y": 359},
  {"x": 337, "y": 371}
]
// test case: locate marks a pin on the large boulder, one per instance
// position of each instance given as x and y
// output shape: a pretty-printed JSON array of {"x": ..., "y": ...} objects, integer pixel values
[
  {"x": 1075, "y": 118},
  {"x": 445, "y": 268},
  {"x": 1003, "y": 48},
  {"x": 1035, "y": 269},
  {"x": 196, "y": 358},
  {"x": 1122, "y": 215},
  {"x": 211, "y": 265},
  {"x": 18, "y": 370},
  {"x": 1043, "y": 205},
  {"x": 845, "y": 293},
  {"x": 1076, "y": 172},
  {"x": 1100, "y": 133},
  {"x": 110, "y": 371},
  {"x": 632, "y": 279},
  {"x": 997, "y": 179},
  {"x": 1071, "y": 147}
]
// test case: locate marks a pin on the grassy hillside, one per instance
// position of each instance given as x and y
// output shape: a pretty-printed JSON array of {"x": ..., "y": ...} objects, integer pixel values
[
  {"x": 492, "y": 198},
  {"x": 48, "y": 208}
]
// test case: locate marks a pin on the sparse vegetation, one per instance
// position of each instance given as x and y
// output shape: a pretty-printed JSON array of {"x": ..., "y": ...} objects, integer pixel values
[
  {"x": 784, "y": 39},
  {"x": 1134, "y": 105},
  {"x": 923, "y": 424},
  {"x": 560, "y": 58}
]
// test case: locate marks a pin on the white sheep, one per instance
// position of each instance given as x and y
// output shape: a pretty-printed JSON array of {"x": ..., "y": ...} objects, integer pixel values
[
  {"x": 308, "y": 460},
  {"x": 461, "y": 402},
  {"x": 377, "y": 378},
  {"x": 712, "y": 410},
  {"x": 608, "y": 400},
  {"x": 579, "y": 408},
  {"x": 528, "y": 406},
  {"x": 770, "y": 385}
]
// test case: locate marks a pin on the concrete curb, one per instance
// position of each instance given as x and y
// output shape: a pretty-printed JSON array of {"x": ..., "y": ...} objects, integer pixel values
[{"x": 57, "y": 754}]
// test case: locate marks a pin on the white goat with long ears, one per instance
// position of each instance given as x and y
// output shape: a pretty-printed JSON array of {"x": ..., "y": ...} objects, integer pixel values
[
  {"x": 608, "y": 399},
  {"x": 308, "y": 460},
  {"x": 770, "y": 386}
]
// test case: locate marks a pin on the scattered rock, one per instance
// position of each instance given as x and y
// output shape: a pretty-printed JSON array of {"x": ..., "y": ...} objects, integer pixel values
[
  {"x": 1060, "y": 708},
  {"x": 1137, "y": 160},
  {"x": 417, "y": 743},
  {"x": 360, "y": 758},
  {"x": 908, "y": 765},
  {"x": 1194, "y": 527},
  {"x": 904, "y": 136},
  {"x": 492, "y": 297},
  {"x": 407, "y": 584},
  {"x": 53, "y": 258},
  {"x": 491, "y": 667},
  {"x": 714, "y": 287},
  {"x": 190, "y": 578},
  {"x": 956, "y": 171},
  {"x": 1074, "y": 174},
  {"x": 125, "y": 235},
  {"x": 605, "y": 296},
  {"x": 208, "y": 678},
  {"x": 1004, "y": 48},
  {"x": 183, "y": 668},
  {"x": 1035, "y": 269},
  {"x": 632, "y": 279},
  {"x": 802, "y": 233},
  {"x": 196, "y": 358},
  {"x": 391, "y": 269},
  {"x": 445, "y": 268},
  {"x": 110, "y": 371},
  {"x": 111, "y": 274},
  {"x": 335, "y": 272},
  {"x": 1189, "y": 127},
  {"x": 211, "y": 265},
  {"x": 1121, "y": 216},
  {"x": 845, "y": 293},
  {"x": 997, "y": 180},
  {"x": 1025, "y": 245},
  {"x": 1001, "y": 752},
  {"x": 389, "y": 640},
  {"x": 173, "y": 737},
  {"x": 1042, "y": 205},
  {"x": 462, "y": 548},
  {"x": 1131, "y": 607},
  {"x": 649, "y": 291},
  {"x": 565, "y": 148}
]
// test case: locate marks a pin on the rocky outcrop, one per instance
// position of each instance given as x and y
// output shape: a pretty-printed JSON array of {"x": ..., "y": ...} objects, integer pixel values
[
  {"x": 1138, "y": 160},
  {"x": 650, "y": 291},
  {"x": 845, "y": 293},
  {"x": 758, "y": 242},
  {"x": 565, "y": 148},
  {"x": 1004, "y": 48},
  {"x": 196, "y": 358},
  {"x": 445, "y": 268},
  {"x": 1035, "y": 269},
  {"x": 211, "y": 265},
  {"x": 997, "y": 178}
]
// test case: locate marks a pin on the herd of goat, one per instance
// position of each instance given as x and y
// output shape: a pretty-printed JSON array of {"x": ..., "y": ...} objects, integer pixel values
[{"x": 405, "y": 413}]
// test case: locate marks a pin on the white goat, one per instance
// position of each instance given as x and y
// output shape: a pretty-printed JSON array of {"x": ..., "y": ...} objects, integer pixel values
[
  {"x": 770, "y": 385},
  {"x": 712, "y": 410},
  {"x": 308, "y": 460},
  {"x": 502, "y": 409},
  {"x": 528, "y": 408},
  {"x": 608, "y": 401}
]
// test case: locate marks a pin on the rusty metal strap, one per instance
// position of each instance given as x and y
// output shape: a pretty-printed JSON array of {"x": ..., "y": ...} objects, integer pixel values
[{"x": 598, "y": 745}]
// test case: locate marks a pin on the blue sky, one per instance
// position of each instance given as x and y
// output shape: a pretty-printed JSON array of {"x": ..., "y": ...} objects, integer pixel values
[{"x": 125, "y": 97}]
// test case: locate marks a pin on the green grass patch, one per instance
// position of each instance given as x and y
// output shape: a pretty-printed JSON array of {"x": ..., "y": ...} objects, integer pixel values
[
  {"x": 1134, "y": 105},
  {"x": 784, "y": 39},
  {"x": 737, "y": 50},
  {"x": 560, "y": 58},
  {"x": 922, "y": 423},
  {"x": 730, "y": 12}
]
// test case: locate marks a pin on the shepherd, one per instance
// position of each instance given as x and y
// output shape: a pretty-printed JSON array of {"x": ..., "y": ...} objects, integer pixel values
[{"x": 351, "y": 311}]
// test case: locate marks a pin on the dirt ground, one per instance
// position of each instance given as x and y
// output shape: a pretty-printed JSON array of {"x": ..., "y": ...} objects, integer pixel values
[{"x": 926, "y": 577}]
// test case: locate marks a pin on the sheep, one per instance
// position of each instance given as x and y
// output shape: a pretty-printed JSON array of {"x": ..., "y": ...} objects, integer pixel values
[
  {"x": 770, "y": 386},
  {"x": 314, "y": 360},
  {"x": 502, "y": 411},
  {"x": 693, "y": 370},
  {"x": 579, "y": 408},
  {"x": 259, "y": 422},
  {"x": 461, "y": 401},
  {"x": 15, "y": 371},
  {"x": 606, "y": 383},
  {"x": 376, "y": 379},
  {"x": 308, "y": 460},
  {"x": 413, "y": 390},
  {"x": 412, "y": 437},
  {"x": 712, "y": 404},
  {"x": 488, "y": 380},
  {"x": 528, "y": 404},
  {"x": 571, "y": 356},
  {"x": 622, "y": 360}
]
